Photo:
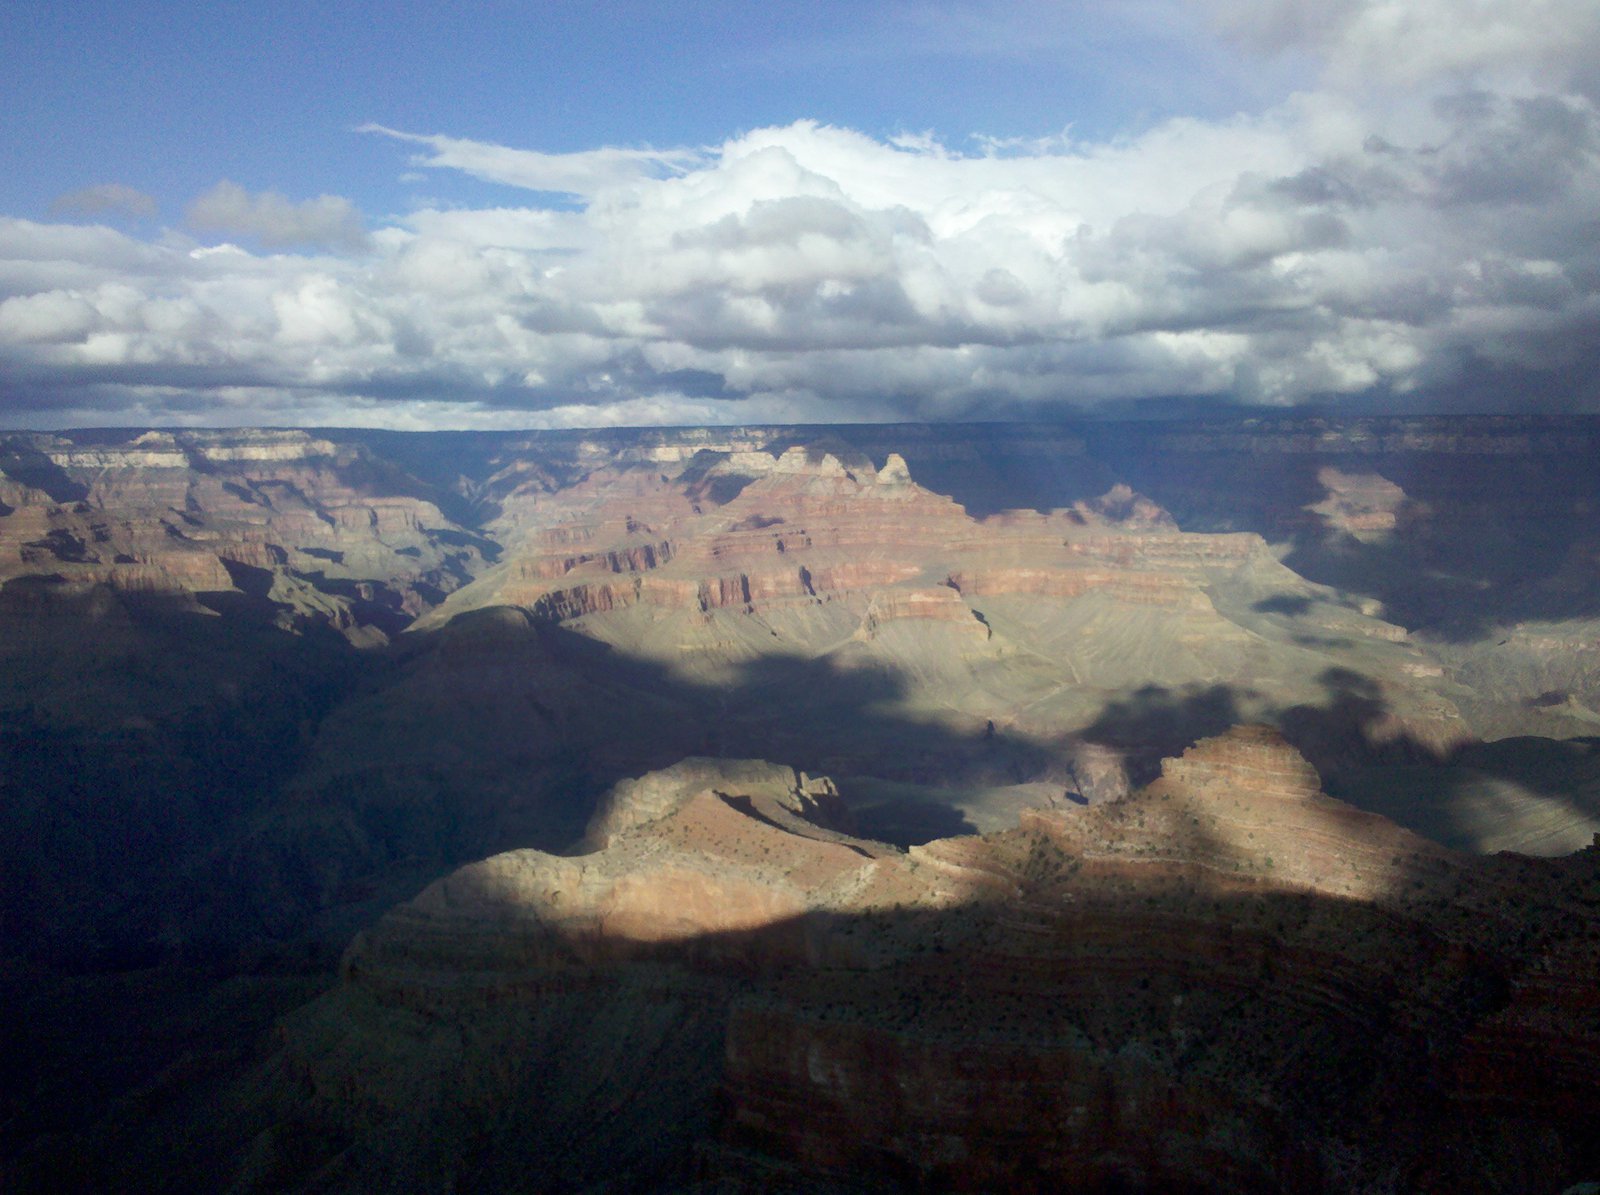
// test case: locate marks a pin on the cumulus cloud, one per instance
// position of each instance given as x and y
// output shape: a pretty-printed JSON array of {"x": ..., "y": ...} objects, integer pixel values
[
  {"x": 275, "y": 221},
  {"x": 1434, "y": 244},
  {"x": 103, "y": 198}
]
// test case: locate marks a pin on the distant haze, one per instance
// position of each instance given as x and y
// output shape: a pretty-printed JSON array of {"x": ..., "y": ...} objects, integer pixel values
[{"x": 984, "y": 210}]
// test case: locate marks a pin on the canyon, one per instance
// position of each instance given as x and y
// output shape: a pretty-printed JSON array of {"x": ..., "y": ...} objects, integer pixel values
[{"x": 1130, "y": 806}]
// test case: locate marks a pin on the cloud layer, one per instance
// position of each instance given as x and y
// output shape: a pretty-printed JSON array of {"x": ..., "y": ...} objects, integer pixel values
[{"x": 1418, "y": 228}]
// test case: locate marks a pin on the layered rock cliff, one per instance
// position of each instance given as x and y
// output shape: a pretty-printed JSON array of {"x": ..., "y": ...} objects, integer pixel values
[
  {"x": 1227, "y": 981},
  {"x": 311, "y": 528}
]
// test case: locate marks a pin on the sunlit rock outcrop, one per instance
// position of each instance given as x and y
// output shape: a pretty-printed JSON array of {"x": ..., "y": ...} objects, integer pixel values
[{"x": 1219, "y": 982}]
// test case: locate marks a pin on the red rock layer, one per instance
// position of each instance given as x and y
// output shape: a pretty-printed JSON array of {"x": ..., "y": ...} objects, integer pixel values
[
  {"x": 806, "y": 527},
  {"x": 329, "y": 531}
]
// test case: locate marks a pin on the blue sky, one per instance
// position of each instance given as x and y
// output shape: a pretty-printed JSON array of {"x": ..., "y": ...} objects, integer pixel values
[
  {"x": 508, "y": 214},
  {"x": 169, "y": 97}
]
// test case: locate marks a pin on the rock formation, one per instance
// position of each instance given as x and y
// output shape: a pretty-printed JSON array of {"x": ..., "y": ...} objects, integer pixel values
[
  {"x": 260, "y": 688},
  {"x": 1227, "y": 981},
  {"x": 317, "y": 529}
]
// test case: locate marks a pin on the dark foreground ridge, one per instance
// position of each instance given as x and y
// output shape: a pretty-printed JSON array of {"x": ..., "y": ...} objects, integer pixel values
[{"x": 1226, "y": 981}]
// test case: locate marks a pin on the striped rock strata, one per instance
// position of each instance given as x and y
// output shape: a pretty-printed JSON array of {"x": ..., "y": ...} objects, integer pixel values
[{"x": 1224, "y": 982}]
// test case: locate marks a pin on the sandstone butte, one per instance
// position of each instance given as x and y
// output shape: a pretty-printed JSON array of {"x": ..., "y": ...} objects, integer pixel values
[{"x": 1225, "y": 981}]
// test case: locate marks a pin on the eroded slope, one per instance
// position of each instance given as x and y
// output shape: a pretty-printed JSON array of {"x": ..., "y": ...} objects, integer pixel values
[{"x": 1227, "y": 981}]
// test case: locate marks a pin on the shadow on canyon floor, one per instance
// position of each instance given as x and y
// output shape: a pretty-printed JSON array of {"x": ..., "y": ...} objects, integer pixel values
[
  {"x": 28, "y": 465},
  {"x": 170, "y": 792},
  {"x": 1478, "y": 543},
  {"x": 201, "y": 812},
  {"x": 1363, "y": 755},
  {"x": 1481, "y": 539},
  {"x": 216, "y": 777},
  {"x": 613, "y": 715},
  {"x": 135, "y": 737},
  {"x": 1464, "y": 588},
  {"x": 1156, "y": 722}
]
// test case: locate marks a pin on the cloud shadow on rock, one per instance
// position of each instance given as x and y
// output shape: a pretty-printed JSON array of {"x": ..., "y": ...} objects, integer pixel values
[{"x": 1369, "y": 760}]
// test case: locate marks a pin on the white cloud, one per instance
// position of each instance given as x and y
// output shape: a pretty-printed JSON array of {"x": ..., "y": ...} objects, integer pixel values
[
  {"x": 276, "y": 221},
  {"x": 1331, "y": 244},
  {"x": 51, "y": 317},
  {"x": 586, "y": 173}
]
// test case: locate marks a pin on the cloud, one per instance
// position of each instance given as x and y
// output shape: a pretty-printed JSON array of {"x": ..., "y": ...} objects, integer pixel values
[
  {"x": 1547, "y": 44},
  {"x": 586, "y": 173},
  {"x": 115, "y": 198},
  {"x": 1429, "y": 243},
  {"x": 275, "y": 221}
]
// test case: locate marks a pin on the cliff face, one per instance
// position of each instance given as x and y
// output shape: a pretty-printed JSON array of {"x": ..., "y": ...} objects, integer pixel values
[
  {"x": 1227, "y": 981},
  {"x": 1023, "y": 623},
  {"x": 804, "y": 526},
  {"x": 312, "y": 529}
]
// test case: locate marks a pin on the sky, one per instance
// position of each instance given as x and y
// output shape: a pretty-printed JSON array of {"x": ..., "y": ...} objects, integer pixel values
[{"x": 510, "y": 215}]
